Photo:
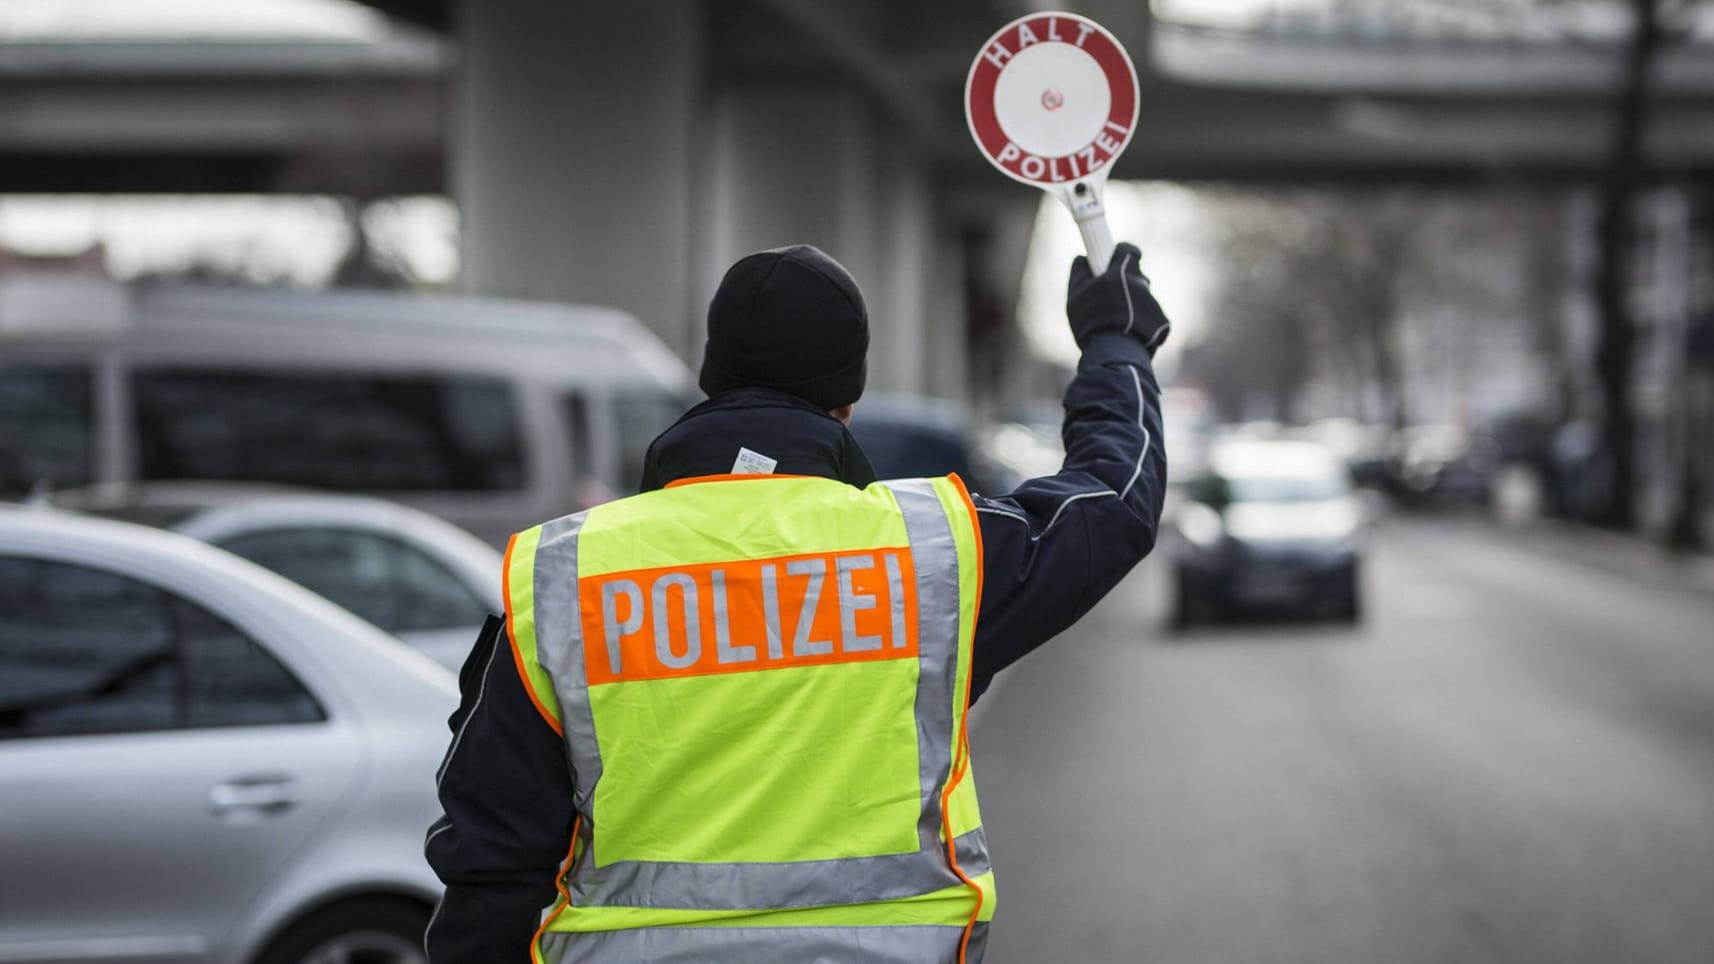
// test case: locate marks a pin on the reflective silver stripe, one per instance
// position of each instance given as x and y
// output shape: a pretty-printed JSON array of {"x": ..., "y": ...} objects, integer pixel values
[
  {"x": 559, "y": 648},
  {"x": 798, "y": 883},
  {"x": 972, "y": 851},
  {"x": 917, "y": 944},
  {"x": 978, "y": 948},
  {"x": 934, "y": 554}
]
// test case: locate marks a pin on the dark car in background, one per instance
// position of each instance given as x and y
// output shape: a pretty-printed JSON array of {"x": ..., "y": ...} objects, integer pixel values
[
  {"x": 907, "y": 437},
  {"x": 1443, "y": 465},
  {"x": 1265, "y": 525}
]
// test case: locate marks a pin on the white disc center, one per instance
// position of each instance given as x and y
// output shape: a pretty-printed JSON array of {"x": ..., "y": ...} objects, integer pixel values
[{"x": 1051, "y": 99}]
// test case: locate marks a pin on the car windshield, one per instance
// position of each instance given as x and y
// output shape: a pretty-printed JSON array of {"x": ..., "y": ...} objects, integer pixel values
[{"x": 1285, "y": 488}]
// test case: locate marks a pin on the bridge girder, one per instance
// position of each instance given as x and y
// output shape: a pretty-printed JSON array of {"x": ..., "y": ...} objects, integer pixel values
[{"x": 1215, "y": 107}]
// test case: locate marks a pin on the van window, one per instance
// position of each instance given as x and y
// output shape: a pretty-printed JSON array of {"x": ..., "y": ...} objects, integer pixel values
[
  {"x": 333, "y": 431},
  {"x": 638, "y": 419},
  {"x": 579, "y": 435},
  {"x": 46, "y": 416}
]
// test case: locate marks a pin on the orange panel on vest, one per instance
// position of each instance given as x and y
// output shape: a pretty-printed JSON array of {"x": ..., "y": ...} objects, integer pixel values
[{"x": 748, "y": 615}]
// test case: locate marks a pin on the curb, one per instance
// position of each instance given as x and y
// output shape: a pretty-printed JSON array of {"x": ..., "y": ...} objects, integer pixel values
[{"x": 1621, "y": 552}]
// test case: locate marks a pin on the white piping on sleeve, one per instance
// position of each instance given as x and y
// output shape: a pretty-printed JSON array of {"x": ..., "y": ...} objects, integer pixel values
[
  {"x": 996, "y": 510},
  {"x": 481, "y": 691},
  {"x": 1137, "y": 382},
  {"x": 1008, "y": 513},
  {"x": 1136, "y": 473},
  {"x": 445, "y": 824},
  {"x": 1104, "y": 493},
  {"x": 1130, "y": 310},
  {"x": 429, "y": 928}
]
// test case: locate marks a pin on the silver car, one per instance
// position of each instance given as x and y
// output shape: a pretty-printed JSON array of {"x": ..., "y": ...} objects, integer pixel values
[
  {"x": 420, "y": 578},
  {"x": 201, "y": 761}
]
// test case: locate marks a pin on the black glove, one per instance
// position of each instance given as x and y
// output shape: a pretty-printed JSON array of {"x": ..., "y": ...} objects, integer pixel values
[{"x": 1119, "y": 300}]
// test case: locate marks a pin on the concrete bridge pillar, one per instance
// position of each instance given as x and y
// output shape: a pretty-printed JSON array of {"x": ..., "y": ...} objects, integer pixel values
[
  {"x": 818, "y": 165},
  {"x": 596, "y": 161},
  {"x": 573, "y": 154}
]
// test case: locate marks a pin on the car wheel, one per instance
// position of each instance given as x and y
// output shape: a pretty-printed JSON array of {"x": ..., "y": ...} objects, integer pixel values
[{"x": 373, "y": 931}]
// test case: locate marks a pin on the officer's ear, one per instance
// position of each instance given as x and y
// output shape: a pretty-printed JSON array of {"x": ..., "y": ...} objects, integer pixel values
[{"x": 843, "y": 413}]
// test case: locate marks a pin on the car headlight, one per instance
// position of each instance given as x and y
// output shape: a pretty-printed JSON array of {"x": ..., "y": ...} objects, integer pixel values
[{"x": 1201, "y": 525}]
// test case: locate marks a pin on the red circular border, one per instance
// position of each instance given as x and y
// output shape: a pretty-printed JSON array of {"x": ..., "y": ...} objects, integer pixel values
[{"x": 1108, "y": 54}]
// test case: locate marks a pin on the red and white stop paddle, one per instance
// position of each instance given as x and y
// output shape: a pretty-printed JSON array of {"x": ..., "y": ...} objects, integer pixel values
[{"x": 1052, "y": 100}]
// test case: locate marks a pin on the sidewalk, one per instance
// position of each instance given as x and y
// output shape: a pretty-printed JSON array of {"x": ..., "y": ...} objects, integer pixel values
[{"x": 1623, "y": 553}]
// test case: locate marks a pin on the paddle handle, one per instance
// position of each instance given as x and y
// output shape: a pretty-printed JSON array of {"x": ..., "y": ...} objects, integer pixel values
[
  {"x": 1090, "y": 212},
  {"x": 1097, "y": 240}
]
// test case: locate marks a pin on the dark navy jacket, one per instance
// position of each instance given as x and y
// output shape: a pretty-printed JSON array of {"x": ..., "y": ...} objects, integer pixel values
[{"x": 1050, "y": 551}]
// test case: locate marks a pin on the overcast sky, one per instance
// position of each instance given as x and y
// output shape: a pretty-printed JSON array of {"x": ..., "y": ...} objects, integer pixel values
[
  {"x": 1165, "y": 220},
  {"x": 274, "y": 238},
  {"x": 79, "y": 20}
]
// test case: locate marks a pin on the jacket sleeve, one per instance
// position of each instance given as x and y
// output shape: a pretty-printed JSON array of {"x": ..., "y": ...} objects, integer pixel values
[
  {"x": 1055, "y": 546},
  {"x": 505, "y": 789}
]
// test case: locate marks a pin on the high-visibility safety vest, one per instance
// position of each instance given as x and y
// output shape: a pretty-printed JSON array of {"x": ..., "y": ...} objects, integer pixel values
[{"x": 762, "y": 682}]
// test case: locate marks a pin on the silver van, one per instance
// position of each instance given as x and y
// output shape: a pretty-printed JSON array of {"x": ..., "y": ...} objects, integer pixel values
[{"x": 492, "y": 414}]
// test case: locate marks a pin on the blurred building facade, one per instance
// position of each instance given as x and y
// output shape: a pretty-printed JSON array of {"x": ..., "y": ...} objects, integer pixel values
[{"x": 1673, "y": 307}]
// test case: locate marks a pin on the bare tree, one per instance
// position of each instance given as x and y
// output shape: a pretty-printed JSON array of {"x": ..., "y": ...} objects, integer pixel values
[
  {"x": 1334, "y": 269},
  {"x": 1256, "y": 363},
  {"x": 1545, "y": 273},
  {"x": 1359, "y": 262},
  {"x": 1378, "y": 290},
  {"x": 1615, "y": 359}
]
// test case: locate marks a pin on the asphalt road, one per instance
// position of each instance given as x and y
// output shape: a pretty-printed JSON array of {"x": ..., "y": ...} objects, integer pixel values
[{"x": 1511, "y": 760}]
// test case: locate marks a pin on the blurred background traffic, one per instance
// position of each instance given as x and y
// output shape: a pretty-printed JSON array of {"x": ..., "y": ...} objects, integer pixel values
[{"x": 306, "y": 304}]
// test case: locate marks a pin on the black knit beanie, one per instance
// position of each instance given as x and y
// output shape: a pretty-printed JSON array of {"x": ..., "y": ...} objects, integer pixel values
[{"x": 789, "y": 319}]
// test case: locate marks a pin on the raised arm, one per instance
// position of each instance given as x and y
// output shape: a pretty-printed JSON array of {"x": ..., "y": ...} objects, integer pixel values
[{"x": 1054, "y": 547}]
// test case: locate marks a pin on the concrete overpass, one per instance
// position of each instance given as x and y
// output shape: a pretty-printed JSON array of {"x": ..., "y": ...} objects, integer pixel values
[{"x": 624, "y": 153}]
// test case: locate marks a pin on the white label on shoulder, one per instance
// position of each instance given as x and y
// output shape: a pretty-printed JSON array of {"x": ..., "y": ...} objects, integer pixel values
[{"x": 753, "y": 463}]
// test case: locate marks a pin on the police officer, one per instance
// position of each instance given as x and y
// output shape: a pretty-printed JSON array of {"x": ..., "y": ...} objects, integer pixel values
[{"x": 725, "y": 719}]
